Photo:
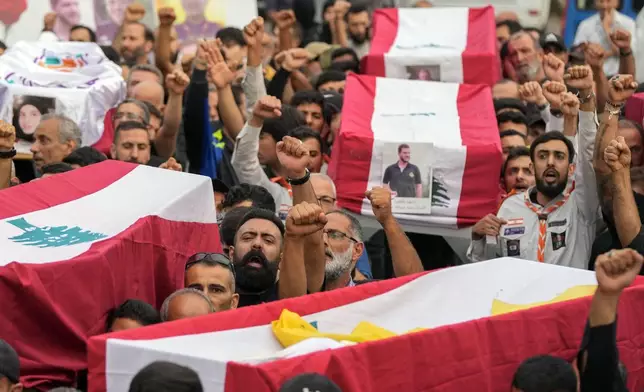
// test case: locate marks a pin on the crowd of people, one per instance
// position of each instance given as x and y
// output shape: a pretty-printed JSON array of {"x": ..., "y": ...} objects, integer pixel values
[{"x": 258, "y": 109}]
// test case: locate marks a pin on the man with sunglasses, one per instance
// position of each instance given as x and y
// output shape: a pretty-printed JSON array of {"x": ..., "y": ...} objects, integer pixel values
[{"x": 214, "y": 275}]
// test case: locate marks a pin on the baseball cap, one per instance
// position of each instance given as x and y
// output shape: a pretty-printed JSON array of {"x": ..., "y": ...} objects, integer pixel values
[
  {"x": 552, "y": 39},
  {"x": 310, "y": 382},
  {"x": 332, "y": 101},
  {"x": 9, "y": 362},
  {"x": 315, "y": 49}
]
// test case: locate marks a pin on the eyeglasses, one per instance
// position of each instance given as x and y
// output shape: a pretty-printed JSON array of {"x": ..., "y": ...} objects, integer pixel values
[
  {"x": 326, "y": 200},
  {"x": 210, "y": 257},
  {"x": 337, "y": 235}
]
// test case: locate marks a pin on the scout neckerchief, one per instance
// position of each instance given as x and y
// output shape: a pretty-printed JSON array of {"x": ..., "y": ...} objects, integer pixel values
[{"x": 543, "y": 213}]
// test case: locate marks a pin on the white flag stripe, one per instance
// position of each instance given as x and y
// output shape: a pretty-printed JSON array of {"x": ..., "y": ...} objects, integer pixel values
[
  {"x": 409, "y": 110},
  {"x": 436, "y": 36},
  {"x": 445, "y": 302},
  {"x": 145, "y": 191}
]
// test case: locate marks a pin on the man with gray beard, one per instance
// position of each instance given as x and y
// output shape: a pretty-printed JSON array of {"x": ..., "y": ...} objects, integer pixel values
[{"x": 343, "y": 242}]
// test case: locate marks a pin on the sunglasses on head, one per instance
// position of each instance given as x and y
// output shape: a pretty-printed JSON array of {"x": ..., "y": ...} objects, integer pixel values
[{"x": 211, "y": 257}]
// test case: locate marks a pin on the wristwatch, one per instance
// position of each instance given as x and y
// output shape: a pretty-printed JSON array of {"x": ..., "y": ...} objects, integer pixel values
[
  {"x": 300, "y": 181},
  {"x": 8, "y": 154}
]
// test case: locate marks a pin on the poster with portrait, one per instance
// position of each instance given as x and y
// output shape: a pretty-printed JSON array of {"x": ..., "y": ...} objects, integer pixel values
[
  {"x": 407, "y": 173},
  {"x": 424, "y": 72},
  {"x": 27, "y": 111},
  {"x": 108, "y": 15},
  {"x": 23, "y": 20},
  {"x": 196, "y": 19}
]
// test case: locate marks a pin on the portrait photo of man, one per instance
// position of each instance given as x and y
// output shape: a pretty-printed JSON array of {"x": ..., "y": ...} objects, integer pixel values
[{"x": 403, "y": 177}]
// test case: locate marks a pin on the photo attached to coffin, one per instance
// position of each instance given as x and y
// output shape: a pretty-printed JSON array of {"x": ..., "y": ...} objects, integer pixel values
[
  {"x": 27, "y": 112},
  {"x": 407, "y": 173},
  {"x": 424, "y": 72}
]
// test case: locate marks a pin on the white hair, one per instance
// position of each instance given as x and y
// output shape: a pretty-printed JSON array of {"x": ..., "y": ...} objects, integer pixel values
[
  {"x": 339, "y": 264},
  {"x": 166, "y": 304},
  {"x": 324, "y": 176}
]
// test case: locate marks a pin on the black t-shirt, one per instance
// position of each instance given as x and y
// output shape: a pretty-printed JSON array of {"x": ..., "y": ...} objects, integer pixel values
[
  {"x": 404, "y": 181},
  {"x": 249, "y": 299}
]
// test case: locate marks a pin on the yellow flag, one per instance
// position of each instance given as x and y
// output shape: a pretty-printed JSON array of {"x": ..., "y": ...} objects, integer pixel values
[{"x": 500, "y": 307}]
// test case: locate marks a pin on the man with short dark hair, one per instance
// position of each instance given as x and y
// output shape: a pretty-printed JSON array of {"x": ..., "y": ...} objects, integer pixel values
[
  {"x": 358, "y": 29},
  {"x": 214, "y": 274},
  {"x": 404, "y": 177},
  {"x": 54, "y": 168},
  {"x": 131, "y": 143},
  {"x": 235, "y": 50},
  {"x": 505, "y": 29},
  {"x": 518, "y": 174},
  {"x": 161, "y": 376},
  {"x": 9, "y": 369},
  {"x": 311, "y": 105},
  {"x": 132, "y": 313},
  {"x": 137, "y": 41},
  {"x": 513, "y": 120},
  {"x": 331, "y": 80},
  {"x": 511, "y": 138},
  {"x": 84, "y": 156},
  {"x": 552, "y": 222},
  {"x": 248, "y": 195},
  {"x": 256, "y": 256},
  {"x": 80, "y": 33},
  {"x": 554, "y": 43},
  {"x": 228, "y": 227},
  {"x": 544, "y": 373}
]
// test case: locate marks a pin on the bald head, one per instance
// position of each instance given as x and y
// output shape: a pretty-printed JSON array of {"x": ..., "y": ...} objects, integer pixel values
[
  {"x": 186, "y": 303},
  {"x": 151, "y": 92},
  {"x": 506, "y": 89}
]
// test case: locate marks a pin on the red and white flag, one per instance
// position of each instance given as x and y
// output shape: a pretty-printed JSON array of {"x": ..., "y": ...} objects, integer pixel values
[
  {"x": 463, "y": 348},
  {"x": 449, "y": 44},
  {"x": 77, "y": 244},
  {"x": 450, "y": 127}
]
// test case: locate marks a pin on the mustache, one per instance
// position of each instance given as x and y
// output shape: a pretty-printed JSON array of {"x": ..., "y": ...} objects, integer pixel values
[{"x": 254, "y": 256}]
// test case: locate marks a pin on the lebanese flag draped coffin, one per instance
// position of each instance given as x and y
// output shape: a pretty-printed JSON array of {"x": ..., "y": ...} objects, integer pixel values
[
  {"x": 449, "y": 44},
  {"x": 77, "y": 244},
  {"x": 71, "y": 78},
  {"x": 462, "y": 348},
  {"x": 456, "y": 121}
]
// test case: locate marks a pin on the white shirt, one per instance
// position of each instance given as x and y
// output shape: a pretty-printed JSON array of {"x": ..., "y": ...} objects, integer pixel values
[
  {"x": 569, "y": 230},
  {"x": 591, "y": 30}
]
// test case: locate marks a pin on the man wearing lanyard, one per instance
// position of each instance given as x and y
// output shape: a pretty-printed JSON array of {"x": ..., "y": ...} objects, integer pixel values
[{"x": 552, "y": 222}]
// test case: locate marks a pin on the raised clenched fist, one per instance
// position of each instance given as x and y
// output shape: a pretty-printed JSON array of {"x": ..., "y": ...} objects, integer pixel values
[
  {"x": 579, "y": 77},
  {"x": 177, "y": 82},
  {"x": 380, "y": 199},
  {"x": 622, "y": 39},
  {"x": 569, "y": 104},
  {"x": 304, "y": 219},
  {"x": 616, "y": 270},
  {"x": 553, "y": 67},
  {"x": 134, "y": 13},
  {"x": 531, "y": 92},
  {"x": 293, "y": 156},
  {"x": 285, "y": 19},
  {"x": 166, "y": 16},
  {"x": 267, "y": 107},
  {"x": 552, "y": 91},
  {"x": 620, "y": 88},
  {"x": 254, "y": 32},
  {"x": 7, "y": 136},
  {"x": 595, "y": 55},
  {"x": 617, "y": 155}
]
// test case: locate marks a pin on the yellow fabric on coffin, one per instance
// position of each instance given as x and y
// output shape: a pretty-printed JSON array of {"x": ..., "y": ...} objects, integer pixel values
[
  {"x": 500, "y": 307},
  {"x": 290, "y": 329}
]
